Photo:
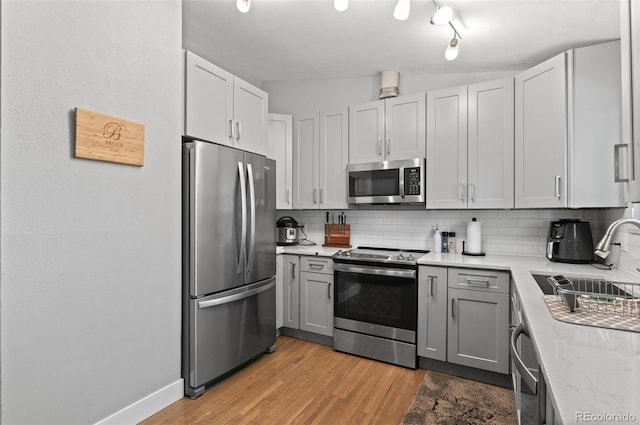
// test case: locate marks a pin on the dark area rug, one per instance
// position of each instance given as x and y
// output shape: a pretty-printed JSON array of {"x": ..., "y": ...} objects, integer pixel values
[{"x": 448, "y": 400}]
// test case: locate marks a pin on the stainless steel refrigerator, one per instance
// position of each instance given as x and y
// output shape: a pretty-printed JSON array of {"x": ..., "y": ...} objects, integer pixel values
[{"x": 229, "y": 295}]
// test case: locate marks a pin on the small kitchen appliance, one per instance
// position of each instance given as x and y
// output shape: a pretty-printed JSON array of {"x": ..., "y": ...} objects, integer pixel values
[
  {"x": 570, "y": 241},
  {"x": 387, "y": 182},
  {"x": 288, "y": 231}
]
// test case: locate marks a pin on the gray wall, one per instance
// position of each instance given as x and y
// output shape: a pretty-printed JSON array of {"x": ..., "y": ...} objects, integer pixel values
[
  {"x": 292, "y": 97},
  {"x": 89, "y": 250}
]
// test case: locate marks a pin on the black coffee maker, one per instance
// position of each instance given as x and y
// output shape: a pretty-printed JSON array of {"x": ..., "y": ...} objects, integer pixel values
[{"x": 570, "y": 241}]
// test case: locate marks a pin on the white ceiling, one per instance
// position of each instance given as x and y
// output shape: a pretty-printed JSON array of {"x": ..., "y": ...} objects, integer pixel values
[{"x": 309, "y": 39}]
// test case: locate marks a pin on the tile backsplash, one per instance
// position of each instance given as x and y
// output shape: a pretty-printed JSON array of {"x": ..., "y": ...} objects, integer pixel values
[{"x": 504, "y": 232}]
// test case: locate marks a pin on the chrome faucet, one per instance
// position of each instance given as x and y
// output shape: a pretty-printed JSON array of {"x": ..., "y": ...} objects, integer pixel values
[{"x": 602, "y": 248}]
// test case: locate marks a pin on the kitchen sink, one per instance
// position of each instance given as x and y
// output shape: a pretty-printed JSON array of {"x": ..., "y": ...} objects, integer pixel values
[{"x": 586, "y": 285}]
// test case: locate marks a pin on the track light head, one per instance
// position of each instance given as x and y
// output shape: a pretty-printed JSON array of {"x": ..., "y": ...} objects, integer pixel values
[
  {"x": 341, "y": 5},
  {"x": 401, "y": 12},
  {"x": 243, "y": 5},
  {"x": 452, "y": 49},
  {"x": 442, "y": 15}
]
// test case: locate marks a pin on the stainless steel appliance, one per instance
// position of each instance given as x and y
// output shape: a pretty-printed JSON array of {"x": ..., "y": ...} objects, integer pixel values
[
  {"x": 375, "y": 303},
  {"x": 387, "y": 182},
  {"x": 570, "y": 241},
  {"x": 288, "y": 230},
  {"x": 229, "y": 295}
]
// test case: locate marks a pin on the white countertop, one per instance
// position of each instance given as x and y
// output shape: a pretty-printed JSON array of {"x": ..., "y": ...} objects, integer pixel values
[{"x": 588, "y": 370}]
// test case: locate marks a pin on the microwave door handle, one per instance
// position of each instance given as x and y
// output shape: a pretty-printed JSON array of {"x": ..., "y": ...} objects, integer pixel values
[{"x": 401, "y": 180}]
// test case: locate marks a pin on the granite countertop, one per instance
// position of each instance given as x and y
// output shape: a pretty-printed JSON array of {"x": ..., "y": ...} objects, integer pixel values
[{"x": 589, "y": 370}]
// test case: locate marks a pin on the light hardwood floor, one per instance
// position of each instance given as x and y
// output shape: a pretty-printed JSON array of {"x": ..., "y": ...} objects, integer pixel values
[{"x": 301, "y": 383}]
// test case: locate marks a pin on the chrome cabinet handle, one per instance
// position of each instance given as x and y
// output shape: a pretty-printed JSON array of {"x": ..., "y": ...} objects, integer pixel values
[
  {"x": 388, "y": 146},
  {"x": 558, "y": 187},
  {"x": 292, "y": 266},
  {"x": 316, "y": 266},
  {"x": 315, "y": 196},
  {"x": 431, "y": 279},
  {"x": 453, "y": 306},
  {"x": 477, "y": 282},
  {"x": 238, "y": 130},
  {"x": 329, "y": 290},
  {"x": 616, "y": 162},
  {"x": 287, "y": 196},
  {"x": 322, "y": 196},
  {"x": 461, "y": 192},
  {"x": 231, "y": 129},
  {"x": 472, "y": 192},
  {"x": 380, "y": 147}
]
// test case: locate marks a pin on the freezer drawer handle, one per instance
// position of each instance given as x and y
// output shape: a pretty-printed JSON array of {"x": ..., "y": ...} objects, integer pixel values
[
  {"x": 240, "y": 296},
  {"x": 528, "y": 378}
]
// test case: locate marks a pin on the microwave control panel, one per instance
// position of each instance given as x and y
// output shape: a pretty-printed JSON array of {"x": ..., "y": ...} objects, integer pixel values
[{"x": 412, "y": 181}]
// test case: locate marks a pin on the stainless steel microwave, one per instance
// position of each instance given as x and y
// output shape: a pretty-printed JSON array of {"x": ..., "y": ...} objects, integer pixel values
[{"x": 387, "y": 182}]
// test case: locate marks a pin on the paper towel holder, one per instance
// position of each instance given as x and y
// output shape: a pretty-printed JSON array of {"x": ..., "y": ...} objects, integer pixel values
[{"x": 474, "y": 254}]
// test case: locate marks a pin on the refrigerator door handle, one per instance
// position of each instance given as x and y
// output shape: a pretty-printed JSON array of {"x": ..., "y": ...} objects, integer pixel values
[
  {"x": 252, "y": 215},
  {"x": 251, "y": 291},
  {"x": 243, "y": 203}
]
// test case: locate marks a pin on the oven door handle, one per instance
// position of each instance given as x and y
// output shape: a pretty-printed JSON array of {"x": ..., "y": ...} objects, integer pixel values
[
  {"x": 378, "y": 271},
  {"x": 528, "y": 377}
]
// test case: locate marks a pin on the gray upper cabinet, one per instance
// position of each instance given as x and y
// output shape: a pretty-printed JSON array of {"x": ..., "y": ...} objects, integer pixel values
[
  {"x": 280, "y": 148},
  {"x": 320, "y": 160},
  {"x": 540, "y": 135},
  {"x": 222, "y": 108},
  {"x": 387, "y": 129},
  {"x": 630, "y": 73},
  {"x": 566, "y": 128},
  {"x": 470, "y": 146}
]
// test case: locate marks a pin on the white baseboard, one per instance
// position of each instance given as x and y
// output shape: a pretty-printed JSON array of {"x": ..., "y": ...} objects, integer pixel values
[{"x": 147, "y": 406}]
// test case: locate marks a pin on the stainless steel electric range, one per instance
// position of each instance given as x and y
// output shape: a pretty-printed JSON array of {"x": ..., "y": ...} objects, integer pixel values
[{"x": 375, "y": 303}]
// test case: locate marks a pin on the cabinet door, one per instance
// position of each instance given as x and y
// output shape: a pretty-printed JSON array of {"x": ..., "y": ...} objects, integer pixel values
[
  {"x": 595, "y": 114},
  {"x": 432, "y": 312},
  {"x": 305, "y": 162},
  {"x": 630, "y": 48},
  {"x": 447, "y": 148},
  {"x": 291, "y": 291},
  {"x": 404, "y": 127},
  {"x": 208, "y": 101},
  {"x": 333, "y": 157},
  {"x": 316, "y": 303},
  {"x": 478, "y": 329},
  {"x": 250, "y": 116},
  {"x": 280, "y": 148},
  {"x": 279, "y": 290},
  {"x": 540, "y": 135},
  {"x": 366, "y": 132},
  {"x": 490, "y": 148}
]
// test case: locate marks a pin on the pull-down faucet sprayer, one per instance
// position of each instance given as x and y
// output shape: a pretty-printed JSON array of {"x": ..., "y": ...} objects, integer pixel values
[{"x": 602, "y": 248}]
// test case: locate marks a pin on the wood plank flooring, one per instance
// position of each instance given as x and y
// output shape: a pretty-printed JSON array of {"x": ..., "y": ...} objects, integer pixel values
[{"x": 301, "y": 383}]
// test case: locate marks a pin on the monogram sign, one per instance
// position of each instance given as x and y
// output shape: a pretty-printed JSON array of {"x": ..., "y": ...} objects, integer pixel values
[{"x": 105, "y": 138}]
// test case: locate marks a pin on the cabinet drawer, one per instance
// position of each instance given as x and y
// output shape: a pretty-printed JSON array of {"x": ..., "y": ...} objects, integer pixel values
[
  {"x": 317, "y": 264},
  {"x": 479, "y": 280}
]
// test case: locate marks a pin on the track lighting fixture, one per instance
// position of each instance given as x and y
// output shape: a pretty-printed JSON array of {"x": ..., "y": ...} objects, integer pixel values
[
  {"x": 243, "y": 5},
  {"x": 452, "y": 49},
  {"x": 442, "y": 15},
  {"x": 341, "y": 5},
  {"x": 401, "y": 12}
]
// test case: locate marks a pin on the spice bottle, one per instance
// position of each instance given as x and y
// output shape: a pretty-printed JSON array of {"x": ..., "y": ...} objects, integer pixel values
[
  {"x": 452, "y": 242},
  {"x": 445, "y": 241}
]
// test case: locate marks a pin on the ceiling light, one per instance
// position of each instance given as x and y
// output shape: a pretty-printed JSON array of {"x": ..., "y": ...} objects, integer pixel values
[
  {"x": 452, "y": 50},
  {"x": 442, "y": 15},
  {"x": 243, "y": 5},
  {"x": 341, "y": 5},
  {"x": 401, "y": 12}
]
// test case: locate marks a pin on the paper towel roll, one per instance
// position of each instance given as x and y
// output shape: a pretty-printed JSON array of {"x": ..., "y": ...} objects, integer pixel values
[{"x": 474, "y": 237}]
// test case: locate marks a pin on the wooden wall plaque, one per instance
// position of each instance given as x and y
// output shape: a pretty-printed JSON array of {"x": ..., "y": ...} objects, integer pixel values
[{"x": 105, "y": 138}]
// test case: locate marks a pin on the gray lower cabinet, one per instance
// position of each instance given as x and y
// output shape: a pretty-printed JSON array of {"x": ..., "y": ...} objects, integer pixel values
[
  {"x": 290, "y": 291},
  {"x": 432, "y": 312},
  {"x": 316, "y": 295},
  {"x": 478, "y": 319}
]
